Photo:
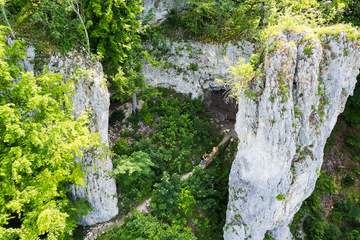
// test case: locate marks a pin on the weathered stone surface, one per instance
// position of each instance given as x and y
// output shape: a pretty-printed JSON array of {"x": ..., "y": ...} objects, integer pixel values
[
  {"x": 91, "y": 95},
  {"x": 282, "y": 135},
  {"x": 189, "y": 67},
  {"x": 157, "y": 10}
]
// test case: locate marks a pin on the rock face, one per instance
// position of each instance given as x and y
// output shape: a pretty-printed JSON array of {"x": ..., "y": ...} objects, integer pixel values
[
  {"x": 192, "y": 67},
  {"x": 157, "y": 10},
  {"x": 283, "y": 133},
  {"x": 91, "y": 95}
]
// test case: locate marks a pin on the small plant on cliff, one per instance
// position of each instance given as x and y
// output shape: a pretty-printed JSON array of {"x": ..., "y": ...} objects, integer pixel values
[
  {"x": 308, "y": 50},
  {"x": 280, "y": 197},
  {"x": 241, "y": 75}
]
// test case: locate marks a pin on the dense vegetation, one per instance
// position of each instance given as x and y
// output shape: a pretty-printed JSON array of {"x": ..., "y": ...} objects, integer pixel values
[
  {"x": 164, "y": 140},
  {"x": 39, "y": 140},
  {"x": 108, "y": 29},
  {"x": 229, "y": 20},
  {"x": 170, "y": 131}
]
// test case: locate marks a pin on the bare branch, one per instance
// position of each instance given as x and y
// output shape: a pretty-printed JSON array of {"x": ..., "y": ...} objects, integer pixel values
[{"x": 76, "y": 7}]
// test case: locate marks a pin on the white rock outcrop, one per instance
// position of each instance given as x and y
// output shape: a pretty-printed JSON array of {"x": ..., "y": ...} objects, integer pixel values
[
  {"x": 157, "y": 10},
  {"x": 190, "y": 67},
  {"x": 283, "y": 133},
  {"x": 91, "y": 94}
]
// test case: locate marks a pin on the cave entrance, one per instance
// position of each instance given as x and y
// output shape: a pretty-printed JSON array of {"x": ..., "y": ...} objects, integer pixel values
[{"x": 222, "y": 110}]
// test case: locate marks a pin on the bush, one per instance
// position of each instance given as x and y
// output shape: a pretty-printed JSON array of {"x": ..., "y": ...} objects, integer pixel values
[
  {"x": 141, "y": 226},
  {"x": 181, "y": 131},
  {"x": 48, "y": 24},
  {"x": 132, "y": 173},
  {"x": 228, "y": 20}
]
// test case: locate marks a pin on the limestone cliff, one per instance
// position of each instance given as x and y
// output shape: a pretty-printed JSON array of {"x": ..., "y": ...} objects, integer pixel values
[
  {"x": 304, "y": 87},
  {"x": 191, "y": 67},
  {"x": 283, "y": 133},
  {"x": 91, "y": 95}
]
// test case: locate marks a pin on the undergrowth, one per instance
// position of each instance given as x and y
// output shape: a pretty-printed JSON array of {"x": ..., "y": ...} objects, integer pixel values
[
  {"x": 171, "y": 131},
  {"x": 167, "y": 137}
]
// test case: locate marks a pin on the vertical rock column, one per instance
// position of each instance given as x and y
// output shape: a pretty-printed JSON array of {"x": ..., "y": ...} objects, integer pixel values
[
  {"x": 91, "y": 95},
  {"x": 282, "y": 134}
]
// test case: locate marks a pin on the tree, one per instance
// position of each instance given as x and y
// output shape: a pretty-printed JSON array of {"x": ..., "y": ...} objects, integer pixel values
[
  {"x": 115, "y": 28},
  {"x": 39, "y": 140}
]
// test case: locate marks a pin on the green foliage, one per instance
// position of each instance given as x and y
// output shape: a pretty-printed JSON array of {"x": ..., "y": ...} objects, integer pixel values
[
  {"x": 241, "y": 75},
  {"x": 217, "y": 20},
  {"x": 136, "y": 163},
  {"x": 165, "y": 198},
  {"x": 142, "y": 226},
  {"x": 308, "y": 50},
  {"x": 199, "y": 202},
  {"x": 352, "y": 12},
  {"x": 114, "y": 28},
  {"x": 48, "y": 24},
  {"x": 39, "y": 140},
  {"x": 228, "y": 20},
  {"x": 268, "y": 237},
  {"x": 181, "y": 130},
  {"x": 342, "y": 222},
  {"x": 180, "y": 133},
  {"x": 110, "y": 29},
  {"x": 133, "y": 172},
  {"x": 283, "y": 88},
  {"x": 280, "y": 197},
  {"x": 311, "y": 213},
  {"x": 193, "y": 67},
  {"x": 352, "y": 140}
]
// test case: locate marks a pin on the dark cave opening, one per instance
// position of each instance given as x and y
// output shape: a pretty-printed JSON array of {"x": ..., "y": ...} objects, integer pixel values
[{"x": 223, "y": 110}]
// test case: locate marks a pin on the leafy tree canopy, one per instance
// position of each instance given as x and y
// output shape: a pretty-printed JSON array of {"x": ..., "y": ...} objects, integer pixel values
[
  {"x": 39, "y": 140},
  {"x": 109, "y": 29}
]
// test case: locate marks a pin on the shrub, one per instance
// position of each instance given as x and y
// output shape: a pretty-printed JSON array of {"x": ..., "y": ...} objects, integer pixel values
[
  {"x": 240, "y": 77},
  {"x": 141, "y": 226},
  {"x": 133, "y": 172}
]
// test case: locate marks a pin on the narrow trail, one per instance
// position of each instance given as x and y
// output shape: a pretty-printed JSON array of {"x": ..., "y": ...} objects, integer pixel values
[{"x": 93, "y": 232}]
